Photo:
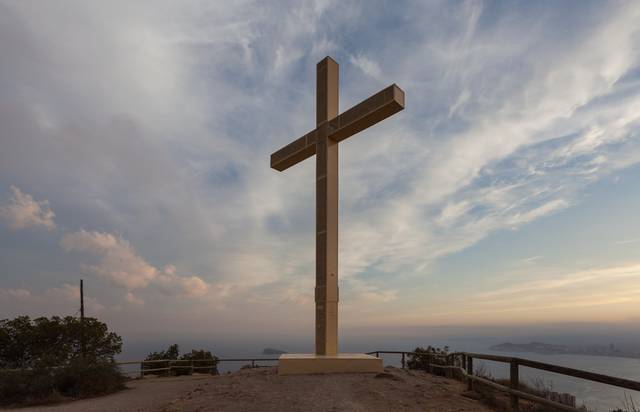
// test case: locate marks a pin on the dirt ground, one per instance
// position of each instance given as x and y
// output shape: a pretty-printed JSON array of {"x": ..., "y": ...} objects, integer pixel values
[{"x": 263, "y": 390}]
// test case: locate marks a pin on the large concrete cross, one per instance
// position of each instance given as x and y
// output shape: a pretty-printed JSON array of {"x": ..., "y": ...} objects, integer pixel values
[{"x": 332, "y": 128}]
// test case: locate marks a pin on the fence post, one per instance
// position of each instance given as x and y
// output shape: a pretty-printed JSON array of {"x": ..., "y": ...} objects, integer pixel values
[
  {"x": 514, "y": 383},
  {"x": 403, "y": 362},
  {"x": 469, "y": 372},
  {"x": 141, "y": 370},
  {"x": 377, "y": 354},
  {"x": 192, "y": 366},
  {"x": 253, "y": 363}
]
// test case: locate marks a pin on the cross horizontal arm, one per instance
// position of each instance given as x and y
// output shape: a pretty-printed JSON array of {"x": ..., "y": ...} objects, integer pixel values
[
  {"x": 367, "y": 113},
  {"x": 295, "y": 152},
  {"x": 376, "y": 108}
]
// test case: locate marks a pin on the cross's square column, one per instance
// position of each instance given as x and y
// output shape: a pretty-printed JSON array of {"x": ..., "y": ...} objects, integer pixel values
[{"x": 326, "y": 293}]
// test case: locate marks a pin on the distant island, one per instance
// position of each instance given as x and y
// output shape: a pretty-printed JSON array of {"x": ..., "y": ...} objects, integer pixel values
[
  {"x": 271, "y": 351},
  {"x": 550, "y": 349}
]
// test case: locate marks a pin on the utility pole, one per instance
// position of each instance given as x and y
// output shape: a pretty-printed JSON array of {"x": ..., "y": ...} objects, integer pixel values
[{"x": 82, "y": 343}]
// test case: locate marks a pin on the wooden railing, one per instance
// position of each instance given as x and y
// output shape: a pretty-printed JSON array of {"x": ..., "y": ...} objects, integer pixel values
[
  {"x": 463, "y": 363},
  {"x": 176, "y": 364},
  {"x": 395, "y": 352}
]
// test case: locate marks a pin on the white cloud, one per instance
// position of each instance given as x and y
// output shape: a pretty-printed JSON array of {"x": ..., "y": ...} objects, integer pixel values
[
  {"x": 523, "y": 148},
  {"x": 363, "y": 292},
  {"x": 71, "y": 294},
  {"x": 366, "y": 65},
  {"x": 604, "y": 294},
  {"x": 627, "y": 241},
  {"x": 65, "y": 296},
  {"x": 540, "y": 211},
  {"x": 23, "y": 211},
  {"x": 530, "y": 260},
  {"x": 190, "y": 286},
  {"x": 17, "y": 294},
  {"x": 159, "y": 126},
  {"x": 119, "y": 263},
  {"x": 131, "y": 298},
  {"x": 566, "y": 282}
]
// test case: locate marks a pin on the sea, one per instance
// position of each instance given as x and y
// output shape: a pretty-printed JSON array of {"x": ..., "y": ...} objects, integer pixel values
[{"x": 595, "y": 396}]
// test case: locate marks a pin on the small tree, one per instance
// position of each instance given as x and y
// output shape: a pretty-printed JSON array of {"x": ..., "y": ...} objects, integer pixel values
[
  {"x": 44, "y": 342},
  {"x": 182, "y": 363},
  {"x": 41, "y": 359},
  {"x": 171, "y": 353},
  {"x": 205, "y": 358},
  {"x": 424, "y": 357}
]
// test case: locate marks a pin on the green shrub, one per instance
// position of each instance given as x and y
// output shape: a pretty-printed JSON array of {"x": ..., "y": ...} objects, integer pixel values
[
  {"x": 25, "y": 386},
  {"x": 42, "y": 360},
  {"x": 45, "y": 385},
  {"x": 171, "y": 353},
  {"x": 44, "y": 342},
  {"x": 181, "y": 365},
  {"x": 80, "y": 380},
  {"x": 423, "y": 357},
  {"x": 204, "y": 358}
]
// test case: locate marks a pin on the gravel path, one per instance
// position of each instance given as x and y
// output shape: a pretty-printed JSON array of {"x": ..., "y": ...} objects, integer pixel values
[{"x": 263, "y": 390}]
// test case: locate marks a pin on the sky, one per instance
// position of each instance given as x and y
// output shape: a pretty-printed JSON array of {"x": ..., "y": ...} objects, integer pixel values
[{"x": 136, "y": 136}]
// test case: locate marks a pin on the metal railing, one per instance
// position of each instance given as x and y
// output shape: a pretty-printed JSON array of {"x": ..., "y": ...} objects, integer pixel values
[{"x": 464, "y": 361}]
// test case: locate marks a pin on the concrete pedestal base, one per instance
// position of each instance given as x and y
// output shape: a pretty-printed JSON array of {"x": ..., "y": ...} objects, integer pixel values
[{"x": 299, "y": 363}]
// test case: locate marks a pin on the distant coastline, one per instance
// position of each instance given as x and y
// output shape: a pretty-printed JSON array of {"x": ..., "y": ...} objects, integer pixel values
[
  {"x": 271, "y": 351},
  {"x": 550, "y": 349}
]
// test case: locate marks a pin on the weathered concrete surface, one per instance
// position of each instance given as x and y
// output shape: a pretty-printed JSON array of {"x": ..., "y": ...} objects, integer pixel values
[{"x": 300, "y": 363}]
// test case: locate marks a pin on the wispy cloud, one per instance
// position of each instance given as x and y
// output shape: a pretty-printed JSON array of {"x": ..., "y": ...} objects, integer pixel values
[
  {"x": 531, "y": 259},
  {"x": 627, "y": 241},
  {"x": 118, "y": 260},
  {"x": 119, "y": 263},
  {"x": 368, "y": 66},
  {"x": 567, "y": 281},
  {"x": 605, "y": 294},
  {"x": 22, "y": 211},
  {"x": 65, "y": 295},
  {"x": 154, "y": 132}
]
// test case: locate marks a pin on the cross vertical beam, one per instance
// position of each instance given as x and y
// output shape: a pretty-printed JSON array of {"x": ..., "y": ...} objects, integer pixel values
[
  {"x": 331, "y": 128},
  {"x": 326, "y": 293}
]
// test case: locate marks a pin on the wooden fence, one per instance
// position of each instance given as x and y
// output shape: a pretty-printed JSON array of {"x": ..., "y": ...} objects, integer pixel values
[
  {"x": 462, "y": 362},
  {"x": 192, "y": 365}
]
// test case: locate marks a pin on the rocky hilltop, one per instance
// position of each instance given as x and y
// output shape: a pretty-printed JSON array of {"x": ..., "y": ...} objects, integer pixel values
[{"x": 263, "y": 390}]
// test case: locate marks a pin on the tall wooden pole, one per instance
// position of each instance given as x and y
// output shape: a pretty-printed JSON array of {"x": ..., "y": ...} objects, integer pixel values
[
  {"x": 82, "y": 342},
  {"x": 326, "y": 210}
]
